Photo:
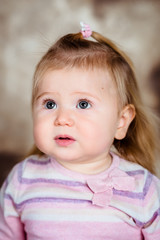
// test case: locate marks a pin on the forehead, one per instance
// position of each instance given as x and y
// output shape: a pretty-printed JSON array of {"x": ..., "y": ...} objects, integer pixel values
[{"x": 77, "y": 78}]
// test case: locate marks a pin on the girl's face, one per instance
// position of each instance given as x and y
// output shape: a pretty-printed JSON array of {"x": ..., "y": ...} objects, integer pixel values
[{"x": 75, "y": 115}]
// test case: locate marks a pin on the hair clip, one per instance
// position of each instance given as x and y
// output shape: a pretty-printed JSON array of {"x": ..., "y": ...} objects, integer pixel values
[{"x": 85, "y": 30}]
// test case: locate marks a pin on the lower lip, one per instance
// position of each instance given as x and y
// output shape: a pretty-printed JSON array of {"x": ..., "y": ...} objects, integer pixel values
[{"x": 64, "y": 142}]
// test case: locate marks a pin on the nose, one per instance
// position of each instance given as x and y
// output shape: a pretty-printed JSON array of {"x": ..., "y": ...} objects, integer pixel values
[{"x": 64, "y": 118}]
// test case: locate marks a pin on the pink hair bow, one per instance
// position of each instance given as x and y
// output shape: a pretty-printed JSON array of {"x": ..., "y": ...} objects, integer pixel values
[{"x": 85, "y": 30}]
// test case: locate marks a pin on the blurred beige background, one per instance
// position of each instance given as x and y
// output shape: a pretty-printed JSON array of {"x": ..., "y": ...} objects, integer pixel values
[{"x": 27, "y": 29}]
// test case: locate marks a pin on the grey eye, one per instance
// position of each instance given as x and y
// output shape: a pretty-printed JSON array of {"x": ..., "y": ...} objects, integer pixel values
[
  {"x": 50, "y": 104},
  {"x": 83, "y": 104}
]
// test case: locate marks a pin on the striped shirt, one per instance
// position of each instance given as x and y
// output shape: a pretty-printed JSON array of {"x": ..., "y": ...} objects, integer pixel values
[{"x": 41, "y": 199}]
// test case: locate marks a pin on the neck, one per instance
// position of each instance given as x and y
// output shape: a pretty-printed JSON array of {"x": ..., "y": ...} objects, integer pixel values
[{"x": 89, "y": 167}]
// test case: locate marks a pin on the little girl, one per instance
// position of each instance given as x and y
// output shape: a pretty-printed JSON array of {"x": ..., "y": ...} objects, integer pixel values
[{"x": 73, "y": 186}]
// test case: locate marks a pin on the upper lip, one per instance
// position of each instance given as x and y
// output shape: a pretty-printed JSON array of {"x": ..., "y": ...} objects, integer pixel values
[{"x": 64, "y": 136}]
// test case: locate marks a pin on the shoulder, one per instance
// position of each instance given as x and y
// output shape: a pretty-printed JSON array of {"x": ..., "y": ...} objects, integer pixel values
[
  {"x": 24, "y": 173},
  {"x": 146, "y": 185},
  {"x": 34, "y": 160},
  {"x": 143, "y": 201},
  {"x": 33, "y": 167},
  {"x": 134, "y": 169},
  {"x": 26, "y": 169},
  {"x": 147, "y": 188},
  {"x": 143, "y": 178}
]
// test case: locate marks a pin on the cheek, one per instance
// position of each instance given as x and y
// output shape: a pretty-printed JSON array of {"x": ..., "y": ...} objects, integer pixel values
[
  {"x": 40, "y": 131},
  {"x": 41, "y": 122},
  {"x": 91, "y": 129},
  {"x": 37, "y": 133},
  {"x": 102, "y": 128}
]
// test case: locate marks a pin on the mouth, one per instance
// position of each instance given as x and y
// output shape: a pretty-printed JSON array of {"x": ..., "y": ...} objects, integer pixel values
[{"x": 64, "y": 140}]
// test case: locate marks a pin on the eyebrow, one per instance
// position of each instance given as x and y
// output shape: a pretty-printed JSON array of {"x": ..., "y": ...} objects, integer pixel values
[
  {"x": 75, "y": 93},
  {"x": 88, "y": 94},
  {"x": 46, "y": 93}
]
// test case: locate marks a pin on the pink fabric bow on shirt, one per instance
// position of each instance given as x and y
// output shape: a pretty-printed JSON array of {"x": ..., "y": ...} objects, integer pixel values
[{"x": 103, "y": 188}]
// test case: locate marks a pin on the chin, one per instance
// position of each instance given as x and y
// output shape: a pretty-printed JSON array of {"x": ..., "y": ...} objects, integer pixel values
[{"x": 64, "y": 158}]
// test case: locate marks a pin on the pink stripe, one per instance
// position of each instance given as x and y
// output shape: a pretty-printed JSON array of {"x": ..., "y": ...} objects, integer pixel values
[
  {"x": 59, "y": 205},
  {"x": 81, "y": 230},
  {"x": 123, "y": 202},
  {"x": 15, "y": 228}
]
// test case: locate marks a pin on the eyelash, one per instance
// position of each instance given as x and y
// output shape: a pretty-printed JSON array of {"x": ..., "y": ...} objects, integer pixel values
[
  {"x": 44, "y": 102},
  {"x": 85, "y": 100}
]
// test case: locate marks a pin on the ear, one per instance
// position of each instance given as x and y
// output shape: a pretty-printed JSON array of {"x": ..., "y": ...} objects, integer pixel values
[{"x": 127, "y": 114}]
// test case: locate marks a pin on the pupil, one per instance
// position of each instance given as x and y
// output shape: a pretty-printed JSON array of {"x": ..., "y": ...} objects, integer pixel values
[
  {"x": 83, "y": 104},
  {"x": 50, "y": 105}
]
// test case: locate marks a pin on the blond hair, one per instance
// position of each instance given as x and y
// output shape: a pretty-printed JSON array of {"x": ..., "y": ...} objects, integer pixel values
[{"x": 73, "y": 50}]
